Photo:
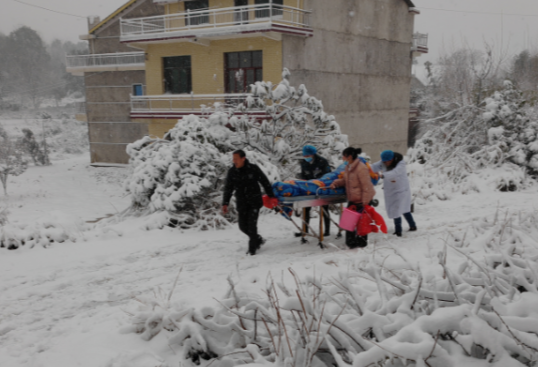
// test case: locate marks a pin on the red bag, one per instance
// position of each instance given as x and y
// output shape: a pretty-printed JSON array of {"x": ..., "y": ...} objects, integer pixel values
[
  {"x": 365, "y": 224},
  {"x": 268, "y": 202},
  {"x": 371, "y": 221}
]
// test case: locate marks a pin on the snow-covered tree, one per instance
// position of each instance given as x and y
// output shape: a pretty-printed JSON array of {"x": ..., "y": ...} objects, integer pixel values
[
  {"x": 12, "y": 162},
  {"x": 182, "y": 175},
  {"x": 495, "y": 139},
  {"x": 511, "y": 129},
  {"x": 29, "y": 144},
  {"x": 295, "y": 119}
]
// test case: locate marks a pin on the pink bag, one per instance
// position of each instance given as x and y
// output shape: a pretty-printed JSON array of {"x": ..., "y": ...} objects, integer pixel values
[{"x": 349, "y": 220}]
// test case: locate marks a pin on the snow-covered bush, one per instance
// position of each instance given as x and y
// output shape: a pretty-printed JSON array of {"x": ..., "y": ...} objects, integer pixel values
[
  {"x": 178, "y": 180},
  {"x": 12, "y": 162},
  {"x": 54, "y": 227},
  {"x": 182, "y": 175},
  {"x": 31, "y": 146},
  {"x": 472, "y": 147},
  {"x": 478, "y": 311},
  {"x": 51, "y": 228}
]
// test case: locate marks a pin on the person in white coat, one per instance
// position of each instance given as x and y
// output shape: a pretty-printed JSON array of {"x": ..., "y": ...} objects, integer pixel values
[{"x": 396, "y": 189}]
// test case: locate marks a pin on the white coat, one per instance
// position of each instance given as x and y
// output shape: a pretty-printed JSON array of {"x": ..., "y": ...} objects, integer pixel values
[{"x": 396, "y": 189}]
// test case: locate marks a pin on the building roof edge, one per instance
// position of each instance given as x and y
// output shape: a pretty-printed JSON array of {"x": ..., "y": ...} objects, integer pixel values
[{"x": 115, "y": 13}]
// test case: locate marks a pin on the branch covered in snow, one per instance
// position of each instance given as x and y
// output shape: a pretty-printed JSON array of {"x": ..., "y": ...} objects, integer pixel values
[{"x": 374, "y": 315}]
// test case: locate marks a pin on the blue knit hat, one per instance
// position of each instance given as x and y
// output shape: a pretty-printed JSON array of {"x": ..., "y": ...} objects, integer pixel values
[
  {"x": 309, "y": 150},
  {"x": 387, "y": 155}
]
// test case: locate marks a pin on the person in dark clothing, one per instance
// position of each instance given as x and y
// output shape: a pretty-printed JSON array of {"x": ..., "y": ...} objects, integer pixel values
[
  {"x": 312, "y": 167},
  {"x": 244, "y": 178}
]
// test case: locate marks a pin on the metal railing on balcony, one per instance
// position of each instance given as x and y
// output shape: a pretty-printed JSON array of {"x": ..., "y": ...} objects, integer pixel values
[
  {"x": 105, "y": 60},
  {"x": 207, "y": 21},
  {"x": 167, "y": 103},
  {"x": 420, "y": 42}
]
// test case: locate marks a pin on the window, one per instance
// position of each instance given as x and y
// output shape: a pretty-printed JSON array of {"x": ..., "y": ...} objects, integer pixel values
[
  {"x": 198, "y": 18},
  {"x": 265, "y": 7},
  {"x": 138, "y": 90},
  {"x": 177, "y": 74},
  {"x": 242, "y": 69}
]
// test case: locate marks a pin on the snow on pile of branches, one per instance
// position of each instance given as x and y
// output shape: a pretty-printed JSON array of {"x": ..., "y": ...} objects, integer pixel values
[
  {"x": 476, "y": 307},
  {"x": 178, "y": 180},
  {"x": 54, "y": 227},
  {"x": 493, "y": 146}
]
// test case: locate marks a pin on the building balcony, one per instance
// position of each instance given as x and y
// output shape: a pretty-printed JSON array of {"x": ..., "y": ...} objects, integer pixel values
[
  {"x": 420, "y": 44},
  {"x": 175, "y": 106},
  {"x": 79, "y": 64},
  {"x": 203, "y": 26}
]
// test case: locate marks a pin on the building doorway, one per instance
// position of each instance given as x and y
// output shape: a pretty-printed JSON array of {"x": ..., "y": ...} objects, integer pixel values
[
  {"x": 198, "y": 18},
  {"x": 265, "y": 9},
  {"x": 241, "y": 14}
]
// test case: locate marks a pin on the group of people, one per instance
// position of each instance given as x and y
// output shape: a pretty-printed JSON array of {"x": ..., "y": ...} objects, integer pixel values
[{"x": 244, "y": 178}]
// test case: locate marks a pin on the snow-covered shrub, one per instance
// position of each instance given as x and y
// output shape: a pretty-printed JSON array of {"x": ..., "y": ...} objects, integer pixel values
[
  {"x": 178, "y": 180},
  {"x": 55, "y": 227},
  {"x": 31, "y": 146},
  {"x": 12, "y": 162},
  {"x": 480, "y": 311},
  {"x": 183, "y": 174},
  {"x": 472, "y": 147}
]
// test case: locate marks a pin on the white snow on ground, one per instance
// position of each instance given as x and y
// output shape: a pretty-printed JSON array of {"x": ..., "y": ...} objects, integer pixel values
[{"x": 65, "y": 305}]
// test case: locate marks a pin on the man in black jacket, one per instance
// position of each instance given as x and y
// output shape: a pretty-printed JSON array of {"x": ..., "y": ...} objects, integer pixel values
[
  {"x": 244, "y": 178},
  {"x": 313, "y": 167}
]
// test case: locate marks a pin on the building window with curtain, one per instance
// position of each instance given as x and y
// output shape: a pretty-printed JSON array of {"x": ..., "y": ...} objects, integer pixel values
[
  {"x": 177, "y": 74},
  {"x": 242, "y": 69}
]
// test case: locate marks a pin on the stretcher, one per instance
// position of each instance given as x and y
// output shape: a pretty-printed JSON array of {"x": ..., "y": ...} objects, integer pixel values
[{"x": 311, "y": 201}]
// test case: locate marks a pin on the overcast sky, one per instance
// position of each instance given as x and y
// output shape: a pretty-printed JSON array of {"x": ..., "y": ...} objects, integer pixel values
[{"x": 459, "y": 22}]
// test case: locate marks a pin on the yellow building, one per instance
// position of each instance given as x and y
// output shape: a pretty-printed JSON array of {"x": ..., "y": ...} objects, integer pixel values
[
  {"x": 203, "y": 52},
  {"x": 354, "y": 55}
]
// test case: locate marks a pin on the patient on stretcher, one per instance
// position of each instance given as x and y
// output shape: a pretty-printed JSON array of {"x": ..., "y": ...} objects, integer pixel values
[{"x": 292, "y": 188}]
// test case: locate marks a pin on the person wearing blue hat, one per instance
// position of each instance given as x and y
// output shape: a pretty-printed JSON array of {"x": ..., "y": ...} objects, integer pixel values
[
  {"x": 396, "y": 189},
  {"x": 313, "y": 167}
]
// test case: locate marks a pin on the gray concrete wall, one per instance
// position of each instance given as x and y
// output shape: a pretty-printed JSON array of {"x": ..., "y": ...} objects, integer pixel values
[
  {"x": 359, "y": 64},
  {"x": 107, "y": 93},
  {"x": 108, "y": 109},
  {"x": 108, "y": 36},
  {"x": 109, "y": 140}
]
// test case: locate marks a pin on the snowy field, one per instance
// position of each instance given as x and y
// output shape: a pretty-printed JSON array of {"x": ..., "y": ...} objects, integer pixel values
[{"x": 65, "y": 305}]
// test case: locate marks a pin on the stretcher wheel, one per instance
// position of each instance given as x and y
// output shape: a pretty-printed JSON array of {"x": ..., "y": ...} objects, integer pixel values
[
  {"x": 339, "y": 235},
  {"x": 303, "y": 241},
  {"x": 321, "y": 245}
]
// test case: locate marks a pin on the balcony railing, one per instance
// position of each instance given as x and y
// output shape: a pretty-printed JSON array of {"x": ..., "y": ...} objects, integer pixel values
[
  {"x": 105, "y": 61},
  {"x": 217, "y": 22},
  {"x": 173, "y": 105},
  {"x": 420, "y": 43}
]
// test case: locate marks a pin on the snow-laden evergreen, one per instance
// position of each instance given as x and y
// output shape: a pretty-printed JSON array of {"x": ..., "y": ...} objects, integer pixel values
[
  {"x": 178, "y": 180},
  {"x": 492, "y": 146}
]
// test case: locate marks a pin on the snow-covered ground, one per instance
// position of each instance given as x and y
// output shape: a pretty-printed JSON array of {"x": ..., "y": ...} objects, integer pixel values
[{"x": 65, "y": 305}]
